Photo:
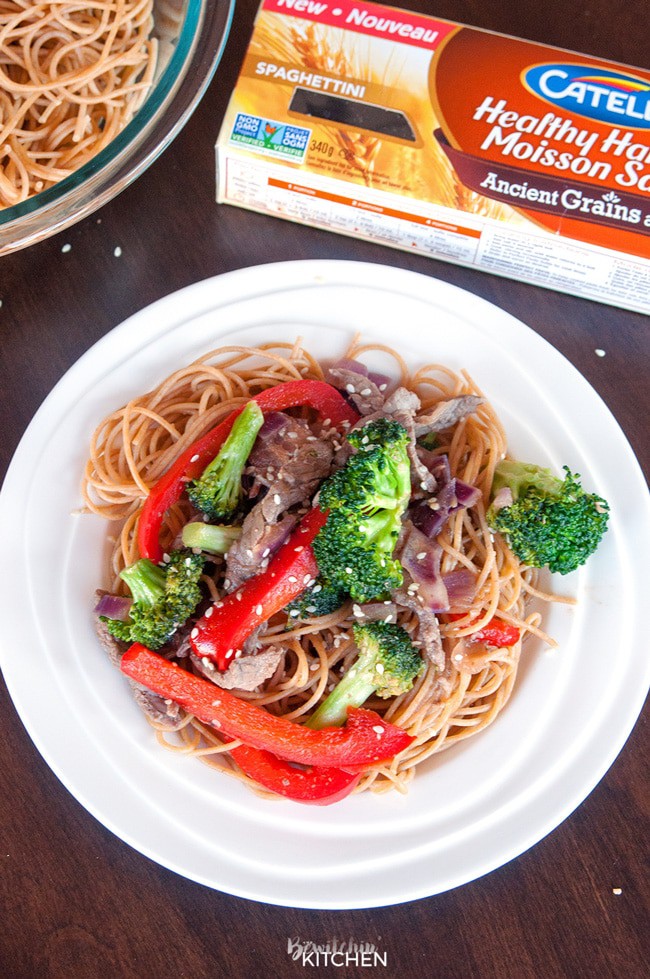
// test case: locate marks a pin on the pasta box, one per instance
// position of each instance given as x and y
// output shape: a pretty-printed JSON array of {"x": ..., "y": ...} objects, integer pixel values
[{"x": 430, "y": 136}]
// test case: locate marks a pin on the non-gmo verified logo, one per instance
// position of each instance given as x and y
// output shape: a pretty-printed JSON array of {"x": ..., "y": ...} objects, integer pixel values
[
  {"x": 605, "y": 96},
  {"x": 270, "y": 137}
]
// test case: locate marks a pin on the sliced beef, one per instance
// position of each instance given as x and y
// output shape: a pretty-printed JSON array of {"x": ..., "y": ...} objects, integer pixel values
[
  {"x": 245, "y": 673},
  {"x": 258, "y": 542},
  {"x": 375, "y": 612},
  {"x": 428, "y": 634},
  {"x": 446, "y": 414},
  {"x": 286, "y": 467},
  {"x": 165, "y": 713},
  {"x": 288, "y": 460},
  {"x": 357, "y": 386},
  {"x": 109, "y": 643}
]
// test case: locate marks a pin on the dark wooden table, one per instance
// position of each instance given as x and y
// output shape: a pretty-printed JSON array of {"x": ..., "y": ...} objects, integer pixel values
[{"x": 76, "y": 901}]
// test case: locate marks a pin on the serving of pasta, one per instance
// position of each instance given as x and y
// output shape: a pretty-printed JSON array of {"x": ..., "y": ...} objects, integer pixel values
[
  {"x": 71, "y": 78},
  {"x": 464, "y": 600}
]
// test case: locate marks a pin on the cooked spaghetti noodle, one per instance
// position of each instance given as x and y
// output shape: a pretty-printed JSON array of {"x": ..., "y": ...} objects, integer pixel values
[
  {"x": 71, "y": 78},
  {"x": 135, "y": 445}
]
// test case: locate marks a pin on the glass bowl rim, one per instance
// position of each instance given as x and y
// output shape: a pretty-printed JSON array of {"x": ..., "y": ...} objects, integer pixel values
[{"x": 181, "y": 85}]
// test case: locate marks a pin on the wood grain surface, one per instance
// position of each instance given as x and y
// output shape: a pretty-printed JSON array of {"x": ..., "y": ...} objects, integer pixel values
[{"x": 76, "y": 901}]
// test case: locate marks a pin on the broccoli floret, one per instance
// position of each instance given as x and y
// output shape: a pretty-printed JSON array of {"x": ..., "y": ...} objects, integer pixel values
[
  {"x": 322, "y": 598},
  {"x": 163, "y": 598},
  {"x": 214, "y": 538},
  {"x": 387, "y": 666},
  {"x": 366, "y": 499},
  {"x": 218, "y": 491},
  {"x": 551, "y": 521}
]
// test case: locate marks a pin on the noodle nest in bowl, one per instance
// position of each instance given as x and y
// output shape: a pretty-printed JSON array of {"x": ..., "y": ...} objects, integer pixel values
[
  {"x": 134, "y": 446},
  {"x": 71, "y": 78}
]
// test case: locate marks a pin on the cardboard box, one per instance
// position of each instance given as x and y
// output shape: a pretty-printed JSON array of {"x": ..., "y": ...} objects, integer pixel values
[{"x": 473, "y": 147}]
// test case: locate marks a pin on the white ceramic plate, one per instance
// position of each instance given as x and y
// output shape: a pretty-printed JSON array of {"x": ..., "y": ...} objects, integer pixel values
[{"x": 471, "y": 809}]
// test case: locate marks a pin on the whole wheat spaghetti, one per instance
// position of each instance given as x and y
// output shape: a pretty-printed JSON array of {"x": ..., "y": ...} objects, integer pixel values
[
  {"x": 135, "y": 445},
  {"x": 71, "y": 77}
]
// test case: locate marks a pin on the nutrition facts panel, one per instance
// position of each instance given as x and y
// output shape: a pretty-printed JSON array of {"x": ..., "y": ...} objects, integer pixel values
[
  {"x": 318, "y": 204},
  {"x": 567, "y": 265},
  {"x": 483, "y": 243}
]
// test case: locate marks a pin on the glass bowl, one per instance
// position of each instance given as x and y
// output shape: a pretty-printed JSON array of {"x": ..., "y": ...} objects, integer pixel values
[{"x": 189, "y": 53}]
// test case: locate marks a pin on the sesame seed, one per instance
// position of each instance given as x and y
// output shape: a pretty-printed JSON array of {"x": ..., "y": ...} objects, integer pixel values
[
  {"x": 208, "y": 612},
  {"x": 292, "y": 435},
  {"x": 238, "y": 596},
  {"x": 421, "y": 556},
  {"x": 350, "y": 388},
  {"x": 117, "y": 251},
  {"x": 382, "y": 387},
  {"x": 297, "y": 550},
  {"x": 306, "y": 579},
  {"x": 313, "y": 667},
  {"x": 66, "y": 248},
  {"x": 378, "y": 729},
  {"x": 348, "y": 570},
  {"x": 266, "y": 552},
  {"x": 617, "y": 890},
  {"x": 218, "y": 604},
  {"x": 229, "y": 653},
  {"x": 215, "y": 722},
  {"x": 366, "y": 392},
  {"x": 258, "y": 610},
  {"x": 316, "y": 589},
  {"x": 238, "y": 653},
  {"x": 458, "y": 657},
  {"x": 166, "y": 558},
  {"x": 194, "y": 633},
  {"x": 600, "y": 353},
  {"x": 195, "y": 458},
  {"x": 277, "y": 498},
  {"x": 380, "y": 668},
  {"x": 292, "y": 578},
  {"x": 294, "y": 613},
  {"x": 216, "y": 703},
  {"x": 357, "y": 611}
]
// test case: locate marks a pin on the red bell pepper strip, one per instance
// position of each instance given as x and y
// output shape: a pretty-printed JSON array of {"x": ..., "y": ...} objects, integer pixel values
[
  {"x": 221, "y": 633},
  {"x": 316, "y": 786},
  {"x": 495, "y": 633},
  {"x": 364, "y": 740},
  {"x": 324, "y": 398}
]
